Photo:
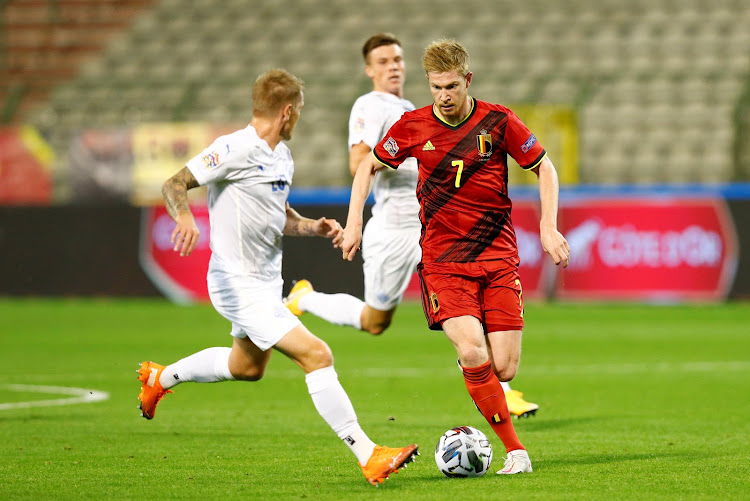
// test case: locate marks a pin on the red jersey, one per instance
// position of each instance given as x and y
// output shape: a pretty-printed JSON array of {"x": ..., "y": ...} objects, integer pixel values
[{"x": 463, "y": 178}]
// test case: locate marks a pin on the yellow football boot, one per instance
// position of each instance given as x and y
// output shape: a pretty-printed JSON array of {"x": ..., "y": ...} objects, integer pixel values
[
  {"x": 519, "y": 407},
  {"x": 300, "y": 288}
]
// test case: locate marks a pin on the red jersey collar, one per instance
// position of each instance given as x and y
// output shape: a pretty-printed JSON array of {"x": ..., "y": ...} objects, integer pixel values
[{"x": 459, "y": 124}]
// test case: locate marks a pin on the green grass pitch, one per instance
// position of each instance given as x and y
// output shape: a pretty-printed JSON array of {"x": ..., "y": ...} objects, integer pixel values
[{"x": 637, "y": 402}]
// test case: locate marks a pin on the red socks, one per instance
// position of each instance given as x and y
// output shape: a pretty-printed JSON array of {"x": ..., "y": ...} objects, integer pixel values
[{"x": 489, "y": 397}]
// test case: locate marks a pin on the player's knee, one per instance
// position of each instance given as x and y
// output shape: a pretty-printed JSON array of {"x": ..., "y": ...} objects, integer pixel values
[
  {"x": 472, "y": 356},
  {"x": 378, "y": 328},
  {"x": 319, "y": 356},
  {"x": 506, "y": 369},
  {"x": 250, "y": 373},
  {"x": 506, "y": 374},
  {"x": 375, "y": 321}
]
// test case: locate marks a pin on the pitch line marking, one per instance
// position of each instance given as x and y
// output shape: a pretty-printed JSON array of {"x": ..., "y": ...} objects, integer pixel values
[{"x": 79, "y": 396}]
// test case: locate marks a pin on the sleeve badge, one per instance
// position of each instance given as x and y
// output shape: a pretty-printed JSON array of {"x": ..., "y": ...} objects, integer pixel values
[
  {"x": 531, "y": 141},
  {"x": 391, "y": 146},
  {"x": 211, "y": 160}
]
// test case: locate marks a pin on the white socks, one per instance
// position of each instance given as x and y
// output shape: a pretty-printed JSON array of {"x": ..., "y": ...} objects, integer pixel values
[
  {"x": 505, "y": 385},
  {"x": 339, "y": 309},
  {"x": 336, "y": 409},
  {"x": 208, "y": 366}
]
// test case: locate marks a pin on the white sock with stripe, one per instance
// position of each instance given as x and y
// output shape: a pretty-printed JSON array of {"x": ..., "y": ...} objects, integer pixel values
[
  {"x": 208, "y": 366},
  {"x": 333, "y": 405}
]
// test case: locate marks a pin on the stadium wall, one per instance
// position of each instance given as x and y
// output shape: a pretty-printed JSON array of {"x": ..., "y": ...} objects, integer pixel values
[
  {"x": 71, "y": 251},
  {"x": 94, "y": 251},
  {"x": 97, "y": 251}
]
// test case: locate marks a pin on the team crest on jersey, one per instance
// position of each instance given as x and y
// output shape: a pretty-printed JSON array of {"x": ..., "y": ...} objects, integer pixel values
[
  {"x": 434, "y": 302},
  {"x": 484, "y": 144},
  {"x": 211, "y": 160},
  {"x": 525, "y": 147},
  {"x": 391, "y": 146}
]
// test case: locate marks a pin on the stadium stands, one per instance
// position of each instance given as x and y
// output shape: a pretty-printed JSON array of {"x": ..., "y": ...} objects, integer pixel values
[
  {"x": 44, "y": 42},
  {"x": 656, "y": 83}
]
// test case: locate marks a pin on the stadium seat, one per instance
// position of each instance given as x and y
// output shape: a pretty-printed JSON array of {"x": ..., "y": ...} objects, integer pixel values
[{"x": 644, "y": 69}]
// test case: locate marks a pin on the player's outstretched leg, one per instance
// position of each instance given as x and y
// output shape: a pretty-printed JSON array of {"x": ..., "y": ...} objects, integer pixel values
[
  {"x": 387, "y": 460},
  {"x": 300, "y": 288},
  {"x": 151, "y": 389},
  {"x": 333, "y": 405},
  {"x": 517, "y": 462},
  {"x": 338, "y": 308}
]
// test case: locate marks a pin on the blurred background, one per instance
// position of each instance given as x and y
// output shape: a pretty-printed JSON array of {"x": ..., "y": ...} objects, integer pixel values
[{"x": 643, "y": 105}]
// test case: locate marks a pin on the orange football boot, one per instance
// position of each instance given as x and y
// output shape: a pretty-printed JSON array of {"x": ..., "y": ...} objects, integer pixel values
[
  {"x": 386, "y": 460},
  {"x": 151, "y": 389}
]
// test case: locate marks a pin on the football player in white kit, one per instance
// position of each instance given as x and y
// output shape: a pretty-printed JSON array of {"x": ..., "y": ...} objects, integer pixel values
[
  {"x": 390, "y": 242},
  {"x": 248, "y": 174}
]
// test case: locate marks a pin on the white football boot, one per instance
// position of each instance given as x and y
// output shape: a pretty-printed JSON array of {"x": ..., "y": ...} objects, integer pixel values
[{"x": 517, "y": 462}]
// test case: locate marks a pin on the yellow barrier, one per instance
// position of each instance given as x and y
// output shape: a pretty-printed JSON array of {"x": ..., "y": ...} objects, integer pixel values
[{"x": 556, "y": 128}]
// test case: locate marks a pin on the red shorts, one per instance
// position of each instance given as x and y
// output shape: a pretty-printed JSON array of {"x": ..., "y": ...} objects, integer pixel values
[{"x": 487, "y": 290}]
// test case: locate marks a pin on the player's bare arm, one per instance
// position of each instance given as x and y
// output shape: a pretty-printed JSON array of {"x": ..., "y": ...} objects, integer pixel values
[
  {"x": 553, "y": 242},
  {"x": 361, "y": 187},
  {"x": 174, "y": 190},
  {"x": 300, "y": 226},
  {"x": 356, "y": 154}
]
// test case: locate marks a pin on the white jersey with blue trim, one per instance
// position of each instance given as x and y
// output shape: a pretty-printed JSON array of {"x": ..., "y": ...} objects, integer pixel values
[
  {"x": 248, "y": 185},
  {"x": 395, "y": 191}
]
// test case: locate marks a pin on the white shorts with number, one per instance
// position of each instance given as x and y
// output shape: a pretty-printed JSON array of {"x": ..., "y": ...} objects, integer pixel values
[
  {"x": 390, "y": 259},
  {"x": 254, "y": 308}
]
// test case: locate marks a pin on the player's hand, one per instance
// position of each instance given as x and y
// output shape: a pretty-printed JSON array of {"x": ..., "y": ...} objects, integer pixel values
[
  {"x": 556, "y": 246},
  {"x": 351, "y": 242},
  {"x": 185, "y": 235},
  {"x": 329, "y": 228}
]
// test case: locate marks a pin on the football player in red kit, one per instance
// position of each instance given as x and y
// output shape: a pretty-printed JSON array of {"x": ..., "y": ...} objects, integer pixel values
[{"x": 469, "y": 269}]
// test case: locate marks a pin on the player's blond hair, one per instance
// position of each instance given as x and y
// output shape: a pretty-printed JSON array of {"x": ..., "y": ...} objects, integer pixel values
[
  {"x": 446, "y": 55},
  {"x": 273, "y": 90}
]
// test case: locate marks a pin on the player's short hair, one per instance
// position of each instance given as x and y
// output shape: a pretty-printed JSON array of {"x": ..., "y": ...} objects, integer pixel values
[
  {"x": 273, "y": 90},
  {"x": 378, "y": 40},
  {"x": 446, "y": 55}
]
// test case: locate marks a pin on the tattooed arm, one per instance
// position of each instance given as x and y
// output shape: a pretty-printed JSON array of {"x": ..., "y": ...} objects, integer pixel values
[
  {"x": 185, "y": 235},
  {"x": 297, "y": 225}
]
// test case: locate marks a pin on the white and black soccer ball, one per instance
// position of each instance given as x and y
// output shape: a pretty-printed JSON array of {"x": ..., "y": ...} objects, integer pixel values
[{"x": 463, "y": 452}]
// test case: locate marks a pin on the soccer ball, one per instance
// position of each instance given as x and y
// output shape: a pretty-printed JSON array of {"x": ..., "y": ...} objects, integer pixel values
[{"x": 463, "y": 452}]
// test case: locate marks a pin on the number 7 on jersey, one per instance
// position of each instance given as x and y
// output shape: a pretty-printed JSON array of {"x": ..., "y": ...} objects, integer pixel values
[{"x": 460, "y": 165}]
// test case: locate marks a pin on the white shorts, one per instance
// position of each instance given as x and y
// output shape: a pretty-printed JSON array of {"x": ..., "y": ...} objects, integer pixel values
[
  {"x": 254, "y": 308},
  {"x": 390, "y": 259}
]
